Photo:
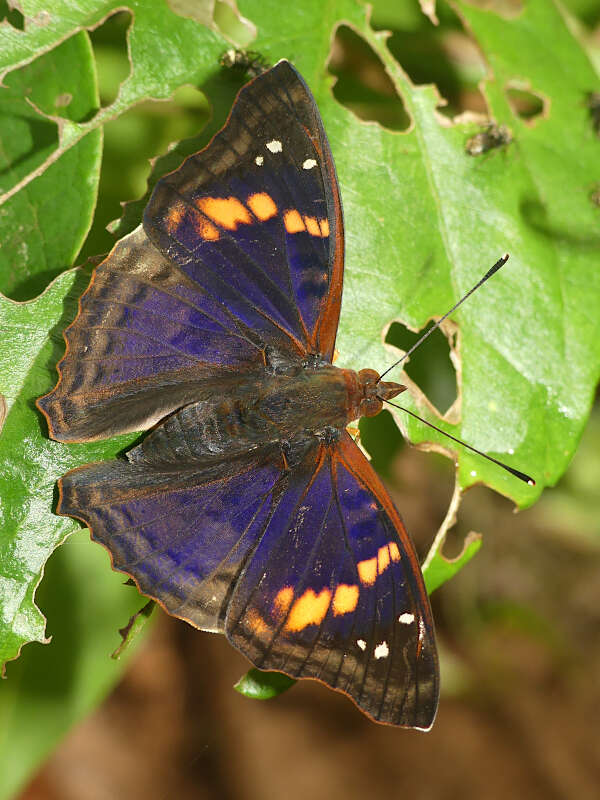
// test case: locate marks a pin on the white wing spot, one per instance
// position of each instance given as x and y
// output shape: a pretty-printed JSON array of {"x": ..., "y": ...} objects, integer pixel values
[
  {"x": 382, "y": 650},
  {"x": 473, "y": 473},
  {"x": 259, "y": 161},
  {"x": 362, "y": 644},
  {"x": 511, "y": 452},
  {"x": 406, "y": 619},
  {"x": 274, "y": 146},
  {"x": 309, "y": 163}
]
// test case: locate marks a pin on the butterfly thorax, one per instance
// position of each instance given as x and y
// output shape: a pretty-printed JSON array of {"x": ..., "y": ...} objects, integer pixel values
[
  {"x": 312, "y": 399},
  {"x": 263, "y": 408}
]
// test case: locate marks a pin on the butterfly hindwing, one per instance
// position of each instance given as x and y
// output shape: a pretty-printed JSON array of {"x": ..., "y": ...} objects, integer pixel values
[
  {"x": 182, "y": 535},
  {"x": 334, "y": 592}
]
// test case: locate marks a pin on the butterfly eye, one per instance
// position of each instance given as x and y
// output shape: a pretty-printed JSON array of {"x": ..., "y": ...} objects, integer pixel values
[
  {"x": 371, "y": 406},
  {"x": 368, "y": 377}
]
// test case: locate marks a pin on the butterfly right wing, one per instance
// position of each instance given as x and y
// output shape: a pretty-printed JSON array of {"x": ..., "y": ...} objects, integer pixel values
[{"x": 183, "y": 532}]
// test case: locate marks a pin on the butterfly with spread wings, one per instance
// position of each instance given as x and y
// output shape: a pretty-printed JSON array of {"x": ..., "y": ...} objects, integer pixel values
[{"x": 248, "y": 510}]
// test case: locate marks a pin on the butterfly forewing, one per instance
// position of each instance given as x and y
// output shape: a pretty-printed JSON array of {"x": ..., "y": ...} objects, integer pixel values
[
  {"x": 146, "y": 341},
  {"x": 257, "y": 216}
]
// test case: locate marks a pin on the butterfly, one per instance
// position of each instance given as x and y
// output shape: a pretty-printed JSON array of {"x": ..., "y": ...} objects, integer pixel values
[{"x": 248, "y": 509}]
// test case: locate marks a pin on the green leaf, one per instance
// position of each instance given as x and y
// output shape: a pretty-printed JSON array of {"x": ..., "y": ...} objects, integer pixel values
[
  {"x": 259, "y": 685},
  {"x": 44, "y": 226},
  {"x": 49, "y": 688},
  {"x": 422, "y": 233},
  {"x": 130, "y": 632},
  {"x": 166, "y": 51},
  {"x": 31, "y": 463},
  {"x": 438, "y": 569},
  {"x": 52, "y": 687}
]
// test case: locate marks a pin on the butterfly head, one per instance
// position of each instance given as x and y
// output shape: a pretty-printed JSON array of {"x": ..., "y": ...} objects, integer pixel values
[{"x": 373, "y": 392}]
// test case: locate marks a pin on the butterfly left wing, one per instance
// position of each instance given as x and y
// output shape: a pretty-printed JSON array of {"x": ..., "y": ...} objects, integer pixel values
[
  {"x": 239, "y": 264},
  {"x": 334, "y": 592}
]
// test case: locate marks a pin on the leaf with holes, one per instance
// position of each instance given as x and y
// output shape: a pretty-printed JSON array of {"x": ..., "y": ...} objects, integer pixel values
[
  {"x": 188, "y": 53},
  {"x": 31, "y": 462},
  {"x": 424, "y": 220}
]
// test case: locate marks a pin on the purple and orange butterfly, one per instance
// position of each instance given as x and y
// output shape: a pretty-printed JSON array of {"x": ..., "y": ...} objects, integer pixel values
[{"x": 248, "y": 510}]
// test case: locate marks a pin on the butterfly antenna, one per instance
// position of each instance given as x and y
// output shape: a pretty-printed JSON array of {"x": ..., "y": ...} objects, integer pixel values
[
  {"x": 520, "y": 475},
  {"x": 488, "y": 274}
]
